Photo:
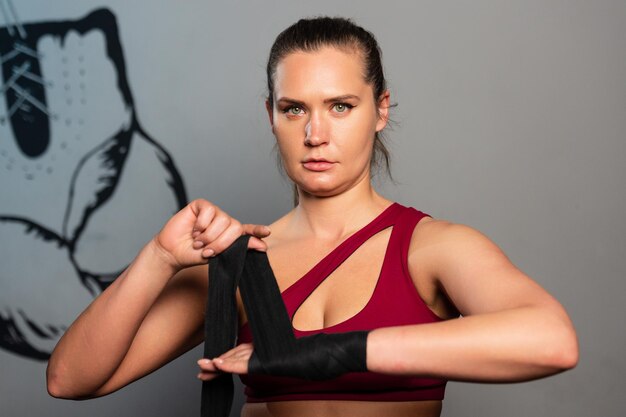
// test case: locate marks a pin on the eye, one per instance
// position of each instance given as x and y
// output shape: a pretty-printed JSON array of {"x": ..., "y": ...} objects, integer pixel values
[
  {"x": 293, "y": 110},
  {"x": 342, "y": 107}
]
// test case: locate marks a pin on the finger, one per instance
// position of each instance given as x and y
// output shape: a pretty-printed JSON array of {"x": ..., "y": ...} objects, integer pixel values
[
  {"x": 205, "y": 214},
  {"x": 233, "y": 366},
  {"x": 236, "y": 360},
  {"x": 257, "y": 244},
  {"x": 207, "y": 365},
  {"x": 236, "y": 351},
  {"x": 208, "y": 370},
  {"x": 219, "y": 224},
  {"x": 227, "y": 237},
  {"x": 207, "y": 376},
  {"x": 257, "y": 230}
]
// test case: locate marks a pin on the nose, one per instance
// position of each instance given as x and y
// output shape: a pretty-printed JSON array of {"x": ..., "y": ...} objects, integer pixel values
[{"x": 316, "y": 130}]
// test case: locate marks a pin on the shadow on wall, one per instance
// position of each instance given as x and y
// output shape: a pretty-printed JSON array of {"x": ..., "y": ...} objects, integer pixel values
[{"x": 77, "y": 174}]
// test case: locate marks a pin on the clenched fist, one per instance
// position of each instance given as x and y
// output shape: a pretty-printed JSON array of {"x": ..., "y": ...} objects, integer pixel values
[{"x": 200, "y": 230}]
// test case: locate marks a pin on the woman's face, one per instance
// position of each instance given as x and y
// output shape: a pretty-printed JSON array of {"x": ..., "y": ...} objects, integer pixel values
[{"x": 324, "y": 110}]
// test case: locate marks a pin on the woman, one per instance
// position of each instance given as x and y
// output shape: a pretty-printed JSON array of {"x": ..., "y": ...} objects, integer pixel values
[{"x": 403, "y": 275}]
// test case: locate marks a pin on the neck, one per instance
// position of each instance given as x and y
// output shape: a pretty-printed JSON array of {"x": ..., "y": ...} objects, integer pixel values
[{"x": 331, "y": 218}]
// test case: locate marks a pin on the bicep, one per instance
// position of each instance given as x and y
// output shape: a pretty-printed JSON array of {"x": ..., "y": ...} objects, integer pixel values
[
  {"x": 475, "y": 274},
  {"x": 173, "y": 325}
]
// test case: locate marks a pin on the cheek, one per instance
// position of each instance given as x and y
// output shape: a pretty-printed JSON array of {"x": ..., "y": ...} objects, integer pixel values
[
  {"x": 287, "y": 148},
  {"x": 288, "y": 132},
  {"x": 290, "y": 136},
  {"x": 357, "y": 138}
]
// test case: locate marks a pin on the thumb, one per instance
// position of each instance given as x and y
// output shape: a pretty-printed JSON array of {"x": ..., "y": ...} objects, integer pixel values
[
  {"x": 257, "y": 230},
  {"x": 256, "y": 243}
]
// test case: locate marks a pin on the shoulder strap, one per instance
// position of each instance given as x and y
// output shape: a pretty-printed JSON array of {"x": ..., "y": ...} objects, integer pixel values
[
  {"x": 404, "y": 231},
  {"x": 305, "y": 286},
  {"x": 406, "y": 224}
]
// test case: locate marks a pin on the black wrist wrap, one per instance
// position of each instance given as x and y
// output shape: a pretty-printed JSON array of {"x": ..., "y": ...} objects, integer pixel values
[
  {"x": 276, "y": 349},
  {"x": 317, "y": 357}
]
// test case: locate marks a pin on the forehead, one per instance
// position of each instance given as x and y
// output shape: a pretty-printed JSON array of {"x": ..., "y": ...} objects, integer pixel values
[{"x": 327, "y": 71}]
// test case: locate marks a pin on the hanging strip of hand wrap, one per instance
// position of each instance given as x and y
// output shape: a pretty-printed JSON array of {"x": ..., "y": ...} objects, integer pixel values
[
  {"x": 276, "y": 349},
  {"x": 220, "y": 325}
]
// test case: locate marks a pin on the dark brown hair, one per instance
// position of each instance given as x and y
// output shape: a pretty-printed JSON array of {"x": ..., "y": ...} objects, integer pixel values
[{"x": 310, "y": 35}]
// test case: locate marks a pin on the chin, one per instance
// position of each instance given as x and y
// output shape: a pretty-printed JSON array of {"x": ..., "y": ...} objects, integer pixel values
[
  {"x": 320, "y": 189},
  {"x": 320, "y": 184}
]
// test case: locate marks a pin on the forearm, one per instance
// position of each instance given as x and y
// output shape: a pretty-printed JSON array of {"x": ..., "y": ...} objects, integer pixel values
[
  {"x": 508, "y": 346},
  {"x": 96, "y": 343}
]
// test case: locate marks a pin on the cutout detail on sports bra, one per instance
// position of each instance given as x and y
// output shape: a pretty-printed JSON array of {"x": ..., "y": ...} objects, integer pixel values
[{"x": 335, "y": 281}]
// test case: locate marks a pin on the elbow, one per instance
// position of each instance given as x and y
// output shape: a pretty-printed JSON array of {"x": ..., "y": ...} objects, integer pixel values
[
  {"x": 55, "y": 386},
  {"x": 56, "y": 390},
  {"x": 59, "y": 391},
  {"x": 59, "y": 387},
  {"x": 564, "y": 354},
  {"x": 569, "y": 354},
  {"x": 557, "y": 341}
]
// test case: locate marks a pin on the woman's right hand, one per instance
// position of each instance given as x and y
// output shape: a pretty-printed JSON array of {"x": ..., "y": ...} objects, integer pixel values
[{"x": 201, "y": 230}]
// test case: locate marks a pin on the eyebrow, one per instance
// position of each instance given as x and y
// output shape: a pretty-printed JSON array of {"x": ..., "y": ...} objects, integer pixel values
[
  {"x": 342, "y": 98},
  {"x": 328, "y": 100}
]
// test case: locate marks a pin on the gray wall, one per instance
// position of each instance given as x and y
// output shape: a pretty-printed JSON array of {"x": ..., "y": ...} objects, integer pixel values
[{"x": 511, "y": 118}]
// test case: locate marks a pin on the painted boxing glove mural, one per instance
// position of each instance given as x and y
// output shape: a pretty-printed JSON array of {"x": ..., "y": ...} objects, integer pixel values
[{"x": 77, "y": 172}]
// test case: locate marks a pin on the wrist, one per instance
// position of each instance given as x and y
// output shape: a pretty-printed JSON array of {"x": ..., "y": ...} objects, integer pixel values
[
  {"x": 162, "y": 256},
  {"x": 317, "y": 357},
  {"x": 382, "y": 354}
]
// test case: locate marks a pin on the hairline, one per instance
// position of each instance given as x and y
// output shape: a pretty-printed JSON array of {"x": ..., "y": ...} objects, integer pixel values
[{"x": 350, "y": 46}]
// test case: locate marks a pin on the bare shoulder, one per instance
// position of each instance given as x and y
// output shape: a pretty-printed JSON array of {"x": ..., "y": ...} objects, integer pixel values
[
  {"x": 470, "y": 269},
  {"x": 441, "y": 239},
  {"x": 430, "y": 231},
  {"x": 430, "y": 240}
]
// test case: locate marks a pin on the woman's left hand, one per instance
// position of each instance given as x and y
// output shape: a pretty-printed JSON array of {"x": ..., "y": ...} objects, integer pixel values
[{"x": 235, "y": 361}]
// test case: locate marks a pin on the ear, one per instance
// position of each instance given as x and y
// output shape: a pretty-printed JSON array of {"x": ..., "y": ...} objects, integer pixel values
[
  {"x": 383, "y": 111},
  {"x": 270, "y": 113}
]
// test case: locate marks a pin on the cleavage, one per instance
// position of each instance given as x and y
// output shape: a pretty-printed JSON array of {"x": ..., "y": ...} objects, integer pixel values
[{"x": 344, "y": 291}]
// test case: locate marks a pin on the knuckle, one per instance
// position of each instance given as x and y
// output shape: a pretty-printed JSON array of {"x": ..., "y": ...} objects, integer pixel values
[
  {"x": 207, "y": 208},
  {"x": 222, "y": 218},
  {"x": 216, "y": 226},
  {"x": 198, "y": 202},
  {"x": 208, "y": 211},
  {"x": 238, "y": 227},
  {"x": 217, "y": 247},
  {"x": 205, "y": 205}
]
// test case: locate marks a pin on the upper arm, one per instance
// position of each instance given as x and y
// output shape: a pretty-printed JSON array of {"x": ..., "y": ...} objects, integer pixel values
[
  {"x": 472, "y": 271},
  {"x": 173, "y": 325}
]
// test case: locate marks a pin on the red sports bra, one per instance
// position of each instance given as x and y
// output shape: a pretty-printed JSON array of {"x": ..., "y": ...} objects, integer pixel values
[{"x": 394, "y": 302}]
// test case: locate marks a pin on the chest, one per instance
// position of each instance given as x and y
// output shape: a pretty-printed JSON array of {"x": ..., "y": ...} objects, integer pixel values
[{"x": 333, "y": 291}]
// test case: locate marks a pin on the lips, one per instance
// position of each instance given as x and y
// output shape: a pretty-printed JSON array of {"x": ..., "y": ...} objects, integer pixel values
[{"x": 317, "y": 164}]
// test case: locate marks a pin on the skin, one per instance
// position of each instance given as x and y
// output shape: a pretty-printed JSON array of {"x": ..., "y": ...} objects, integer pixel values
[{"x": 511, "y": 330}]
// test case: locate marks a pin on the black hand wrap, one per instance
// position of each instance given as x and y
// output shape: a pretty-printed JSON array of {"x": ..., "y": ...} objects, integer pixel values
[
  {"x": 276, "y": 349},
  {"x": 317, "y": 357}
]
